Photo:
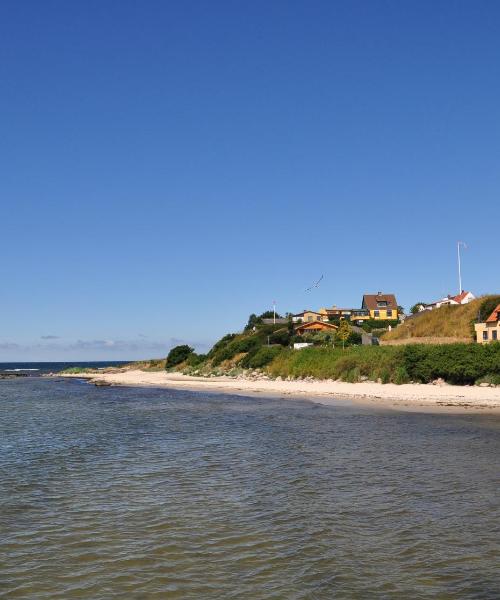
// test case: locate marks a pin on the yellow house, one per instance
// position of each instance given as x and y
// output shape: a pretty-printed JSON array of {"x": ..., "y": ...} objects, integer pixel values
[
  {"x": 380, "y": 306},
  {"x": 489, "y": 331}
]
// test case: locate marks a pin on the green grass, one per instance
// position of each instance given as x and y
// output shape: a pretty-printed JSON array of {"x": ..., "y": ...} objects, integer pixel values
[
  {"x": 351, "y": 364},
  {"x": 77, "y": 371},
  {"x": 460, "y": 364},
  {"x": 445, "y": 322}
]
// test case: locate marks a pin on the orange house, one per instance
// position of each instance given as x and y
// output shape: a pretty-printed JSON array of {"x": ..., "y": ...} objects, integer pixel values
[{"x": 314, "y": 327}]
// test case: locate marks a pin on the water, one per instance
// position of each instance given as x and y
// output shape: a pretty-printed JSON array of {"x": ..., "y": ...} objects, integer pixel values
[
  {"x": 40, "y": 368},
  {"x": 142, "y": 493}
]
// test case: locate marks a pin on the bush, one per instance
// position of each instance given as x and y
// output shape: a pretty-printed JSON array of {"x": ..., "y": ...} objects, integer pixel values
[
  {"x": 370, "y": 324},
  {"x": 262, "y": 357},
  {"x": 234, "y": 347},
  {"x": 193, "y": 360},
  {"x": 177, "y": 355},
  {"x": 224, "y": 341},
  {"x": 461, "y": 364},
  {"x": 281, "y": 337}
]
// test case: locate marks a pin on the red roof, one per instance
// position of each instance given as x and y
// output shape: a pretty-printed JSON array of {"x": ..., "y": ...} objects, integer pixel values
[
  {"x": 495, "y": 315},
  {"x": 459, "y": 297}
]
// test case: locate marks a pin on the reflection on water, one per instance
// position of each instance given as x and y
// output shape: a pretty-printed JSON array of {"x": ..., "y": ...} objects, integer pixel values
[{"x": 134, "y": 493}]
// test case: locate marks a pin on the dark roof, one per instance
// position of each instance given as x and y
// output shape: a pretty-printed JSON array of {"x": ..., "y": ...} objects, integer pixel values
[{"x": 370, "y": 301}]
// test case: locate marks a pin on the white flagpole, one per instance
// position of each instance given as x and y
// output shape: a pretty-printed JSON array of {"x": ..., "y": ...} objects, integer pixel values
[{"x": 464, "y": 245}]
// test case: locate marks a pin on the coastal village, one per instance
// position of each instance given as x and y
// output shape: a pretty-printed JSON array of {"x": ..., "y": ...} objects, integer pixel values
[{"x": 382, "y": 310}]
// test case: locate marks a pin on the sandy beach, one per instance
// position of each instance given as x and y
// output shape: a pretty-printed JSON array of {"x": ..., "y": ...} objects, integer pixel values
[{"x": 413, "y": 397}]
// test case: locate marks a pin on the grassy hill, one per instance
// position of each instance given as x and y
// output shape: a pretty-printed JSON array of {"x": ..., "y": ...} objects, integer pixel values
[{"x": 450, "y": 323}]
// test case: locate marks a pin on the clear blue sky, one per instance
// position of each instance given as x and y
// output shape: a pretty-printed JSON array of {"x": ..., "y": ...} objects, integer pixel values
[{"x": 168, "y": 168}]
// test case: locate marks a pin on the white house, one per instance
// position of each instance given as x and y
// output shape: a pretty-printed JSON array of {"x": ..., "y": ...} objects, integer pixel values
[{"x": 462, "y": 298}]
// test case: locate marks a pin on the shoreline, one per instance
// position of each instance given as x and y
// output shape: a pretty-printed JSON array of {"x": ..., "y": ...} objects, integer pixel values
[{"x": 407, "y": 397}]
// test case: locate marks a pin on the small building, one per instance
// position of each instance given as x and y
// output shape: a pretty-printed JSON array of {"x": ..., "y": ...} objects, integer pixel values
[
  {"x": 380, "y": 306},
  {"x": 314, "y": 327},
  {"x": 490, "y": 330},
  {"x": 462, "y": 298},
  {"x": 308, "y": 316},
  {"x": 336, "y": 313},
  {"x": 301, "y": 345},
  {"x": 277, "y": 321}
]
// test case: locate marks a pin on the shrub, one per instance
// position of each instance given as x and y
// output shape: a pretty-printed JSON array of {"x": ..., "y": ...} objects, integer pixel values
[
  {"x": 193, "y": 360},
  {"x": 370, "y": 324},
  {"x": 224, "y": 341},
  {"x": 177, "y": 355},
  {"x": 234, "y": 347},
  {"x": 461, "y": 364},
  {"x": 262, "y": 357}
]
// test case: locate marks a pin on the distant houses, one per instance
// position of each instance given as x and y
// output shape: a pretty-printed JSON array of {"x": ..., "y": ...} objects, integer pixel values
[
  {"x": 379, "y": 307},
  {"x": 490, "y": 330},
  {"x": 462, "y": 298}
]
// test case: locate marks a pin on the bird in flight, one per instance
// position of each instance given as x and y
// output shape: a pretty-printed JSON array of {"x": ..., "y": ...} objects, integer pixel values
[{"x": 315, "y": 285}]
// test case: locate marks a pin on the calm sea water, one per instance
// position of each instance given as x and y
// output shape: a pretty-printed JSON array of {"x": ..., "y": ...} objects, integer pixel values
[
  {"x": 34, "y": 369},
  {"x": 142, "y": 493}
]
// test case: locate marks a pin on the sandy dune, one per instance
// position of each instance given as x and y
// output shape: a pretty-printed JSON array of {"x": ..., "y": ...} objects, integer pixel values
[{"x": 404, "y": 397}]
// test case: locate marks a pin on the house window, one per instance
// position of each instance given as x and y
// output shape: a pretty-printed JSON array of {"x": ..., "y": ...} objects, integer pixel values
[
  {"x": 310, "y": 318},
  {"x": 382, "y": 303},
  {"x": 318, "y": 318},
  {"x": 376, "y": 314},
  {"x": 494, "y": 335},
  {"x": 485, "y": 336},
  {"x": 389, "y": 313}
]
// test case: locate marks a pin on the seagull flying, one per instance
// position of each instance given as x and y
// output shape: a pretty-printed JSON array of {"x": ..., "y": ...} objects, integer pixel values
[{"x": 315, "y": 285}]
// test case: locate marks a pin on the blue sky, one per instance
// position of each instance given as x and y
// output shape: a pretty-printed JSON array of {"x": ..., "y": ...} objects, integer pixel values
[{"x": 169, "y": 168}]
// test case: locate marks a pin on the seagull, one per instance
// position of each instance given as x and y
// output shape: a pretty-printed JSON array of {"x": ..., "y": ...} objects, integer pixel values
[{"x": 315, "y": 285}]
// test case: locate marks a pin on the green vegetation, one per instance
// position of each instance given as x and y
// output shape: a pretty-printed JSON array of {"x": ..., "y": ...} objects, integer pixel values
[
  {"x": 268, "y": 347},
  {"x": 415, "y": 309},
  {"x": 77, "y": 370},
  {"x": 343, "y": 332},
  {"x": 254, "y": 320},
  {"x": 178, "y": 355},
  {"x": 445, "y": 322},
  {"x": 371, "y": 325},
  {"x": 351, "y": 364},
  {"x": 262, "y": 357},
  {"x": 462, "y": 364}
]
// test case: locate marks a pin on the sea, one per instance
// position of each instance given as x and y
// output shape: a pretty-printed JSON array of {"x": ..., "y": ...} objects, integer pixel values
[
  {"x": 43, "y": 368},
  {"x": 141, "y": 493}
]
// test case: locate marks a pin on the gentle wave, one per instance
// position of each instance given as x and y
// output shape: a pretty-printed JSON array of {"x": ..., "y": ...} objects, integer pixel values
[
  {"x": 142, "y": 493},
  {"x": 17, "y": 370}
]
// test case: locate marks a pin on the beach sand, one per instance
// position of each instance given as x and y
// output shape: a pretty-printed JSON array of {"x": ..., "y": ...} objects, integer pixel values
[{"x": 412, "y": 397}]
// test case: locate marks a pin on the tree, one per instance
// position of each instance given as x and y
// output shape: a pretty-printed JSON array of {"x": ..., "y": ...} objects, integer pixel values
[
  {"x": 343, "y": 332},
  {"x": 269, "y": 314},
  {"x": 401, "y": 310},
  {"x": 253, "y": 320},
  {"x": 416, "y": 308},
  {"x": 177, "y": 355}
]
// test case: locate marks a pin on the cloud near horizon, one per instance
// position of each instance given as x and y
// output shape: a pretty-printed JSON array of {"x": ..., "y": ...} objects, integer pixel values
[
  {"x": 50, "y": 337},
  {"x": 94, "y": 349}
]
